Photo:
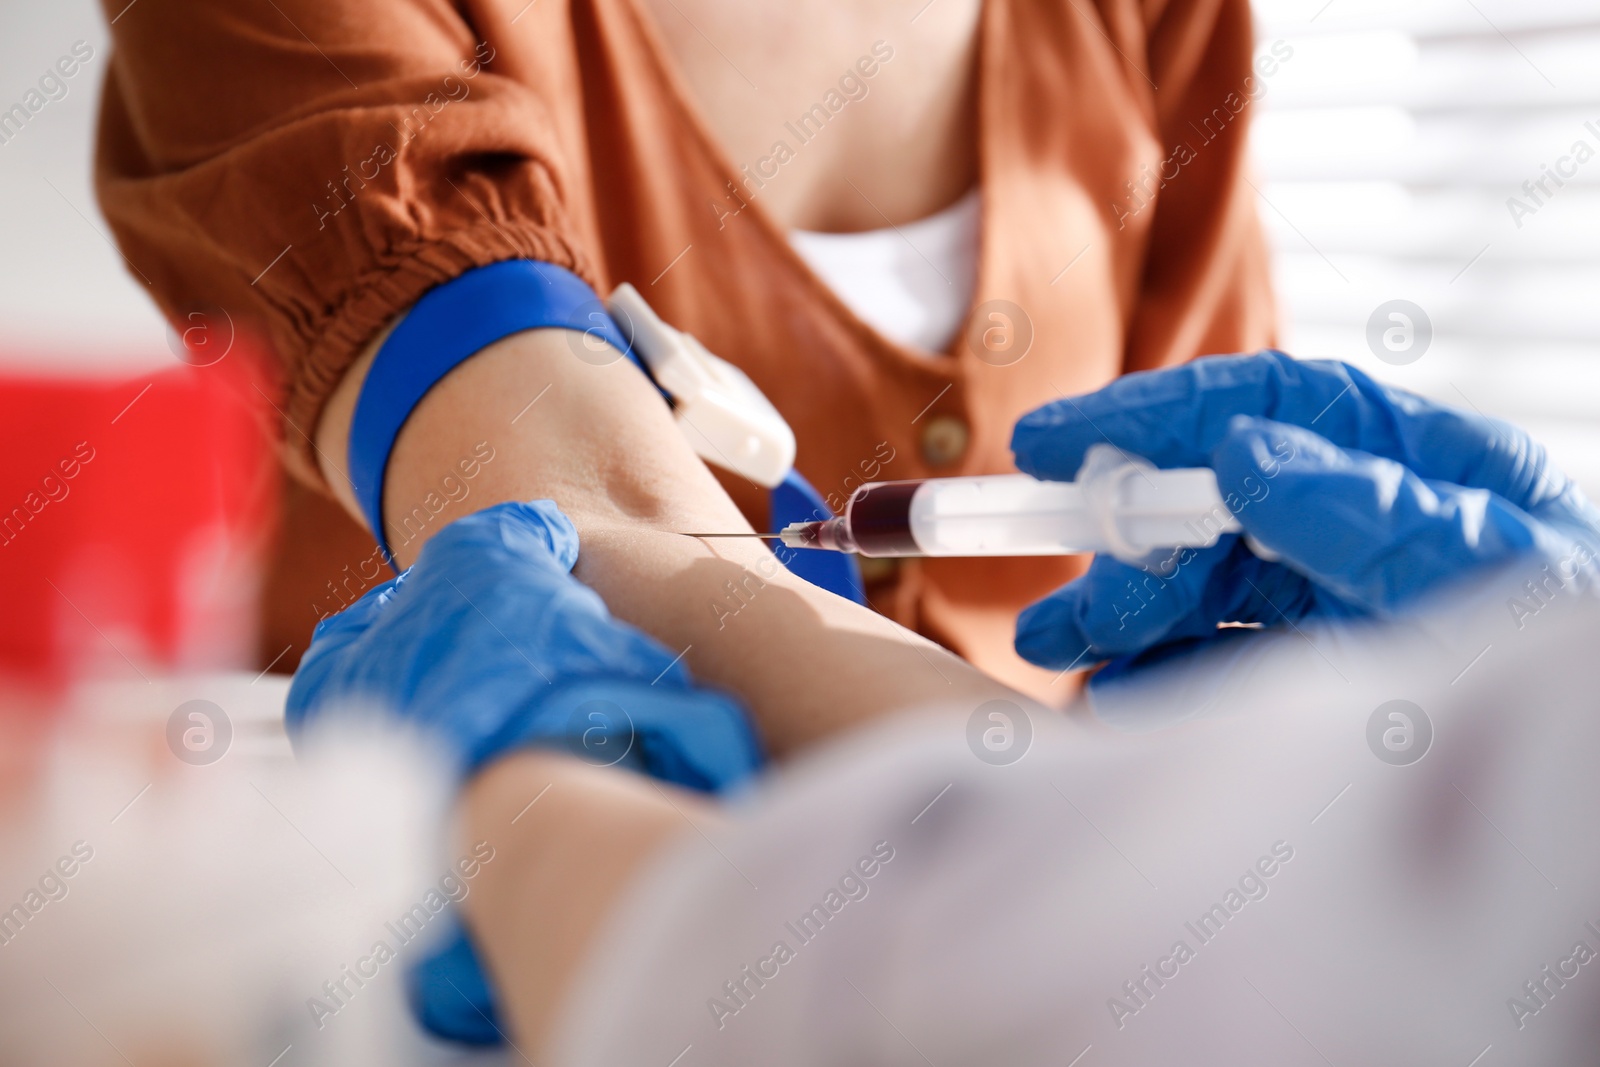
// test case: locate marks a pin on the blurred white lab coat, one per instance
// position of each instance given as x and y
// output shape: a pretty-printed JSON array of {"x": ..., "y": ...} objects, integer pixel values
[{"x": 1245, "y": 881}]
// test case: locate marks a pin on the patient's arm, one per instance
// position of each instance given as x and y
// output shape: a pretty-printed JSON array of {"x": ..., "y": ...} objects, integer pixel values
[{"x": 600, "y": 442}]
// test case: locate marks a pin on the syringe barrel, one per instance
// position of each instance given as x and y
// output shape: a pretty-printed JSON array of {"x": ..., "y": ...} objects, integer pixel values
[
  {"x": 1135, "y": 510},
  {"x": 878, "y": 517}
]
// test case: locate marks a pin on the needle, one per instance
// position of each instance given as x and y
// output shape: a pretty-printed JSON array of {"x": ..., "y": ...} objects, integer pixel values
[{"x": 768, "y": 537}]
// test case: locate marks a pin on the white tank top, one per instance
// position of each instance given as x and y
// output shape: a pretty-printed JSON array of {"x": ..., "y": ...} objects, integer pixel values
[{"x": 911, "y": 283}]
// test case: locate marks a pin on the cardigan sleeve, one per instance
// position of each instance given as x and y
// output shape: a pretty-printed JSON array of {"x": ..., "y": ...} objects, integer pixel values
[{"x": 312, "y": 167}]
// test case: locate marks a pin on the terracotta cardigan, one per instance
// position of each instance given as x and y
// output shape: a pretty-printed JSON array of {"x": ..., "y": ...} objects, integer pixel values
[{"x": 313, "y": 166}]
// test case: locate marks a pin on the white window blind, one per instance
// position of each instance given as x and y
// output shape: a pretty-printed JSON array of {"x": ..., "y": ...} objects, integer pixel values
[{"x": 1446, "y": 153}]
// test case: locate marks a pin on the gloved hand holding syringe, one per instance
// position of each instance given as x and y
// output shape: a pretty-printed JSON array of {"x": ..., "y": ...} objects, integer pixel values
[
  {"x": 1378, "y": 496},
  {"x": 1119, "y": 504}
]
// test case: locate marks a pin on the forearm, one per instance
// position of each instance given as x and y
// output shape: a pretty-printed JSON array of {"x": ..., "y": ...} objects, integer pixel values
[
  {"x": 569, "y": 839},
  {"x": 599, "y": 442}
]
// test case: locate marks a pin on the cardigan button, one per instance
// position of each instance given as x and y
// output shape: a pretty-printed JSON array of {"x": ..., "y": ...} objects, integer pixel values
[
  {"x": 944, "y": 440},
  {"x": 878, "y": 569}
]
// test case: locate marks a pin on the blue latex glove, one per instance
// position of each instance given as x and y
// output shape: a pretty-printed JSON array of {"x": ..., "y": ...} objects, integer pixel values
[
  {"x": 488, "y": 643},
  {"x": 1370, "y": 496}
]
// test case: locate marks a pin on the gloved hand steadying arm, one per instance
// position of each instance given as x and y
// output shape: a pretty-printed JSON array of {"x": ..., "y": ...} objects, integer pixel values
[
  {"x": 1370, "y": 496},
  {"x": 487, "y": 643}
]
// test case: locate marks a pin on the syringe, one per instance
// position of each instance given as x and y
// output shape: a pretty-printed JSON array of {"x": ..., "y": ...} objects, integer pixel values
[{"x": 1119, "y": 504}]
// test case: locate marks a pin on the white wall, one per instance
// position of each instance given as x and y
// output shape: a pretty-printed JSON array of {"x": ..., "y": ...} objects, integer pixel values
[
  {"x": 1390, "y": 144},
  {"x": 67, "y": 301}
]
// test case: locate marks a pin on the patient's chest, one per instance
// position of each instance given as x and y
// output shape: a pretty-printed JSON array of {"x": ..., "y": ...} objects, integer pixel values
[{"x": 887, "y": 147}]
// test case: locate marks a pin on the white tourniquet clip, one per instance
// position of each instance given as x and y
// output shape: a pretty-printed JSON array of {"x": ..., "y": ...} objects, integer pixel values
[{"x": 729, "y": 422}]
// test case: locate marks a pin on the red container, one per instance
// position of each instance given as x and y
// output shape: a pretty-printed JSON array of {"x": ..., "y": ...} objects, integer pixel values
[{"x": 134, "y": 516}]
